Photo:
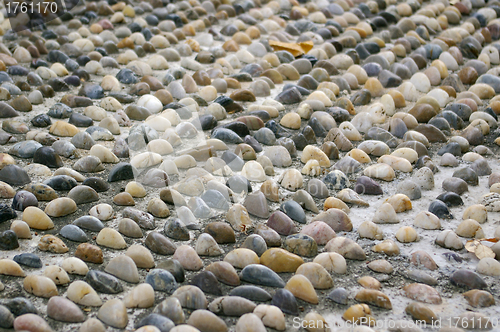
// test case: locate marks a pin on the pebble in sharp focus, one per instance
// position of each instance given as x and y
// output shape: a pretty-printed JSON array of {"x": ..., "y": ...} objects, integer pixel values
[{"x": 231, "y": 165}]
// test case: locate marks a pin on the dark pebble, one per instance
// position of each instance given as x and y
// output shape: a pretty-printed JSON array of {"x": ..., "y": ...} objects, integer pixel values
[
  {"x": 80, "y": 120},
  {"x": 19, "y": 306},
  {"x": 14, "y": 175},
  {"x": 8, "y": 240},
  {"x": 440, "y": 209},
  {"x": 28, "y": 259},
  {"x": 455, "y": 185},
  {"x": 23, "y": 199},
  {"x": 97, "y": 184},
  {"x": 61, "y": 182},
  {"x": 452, "y": 147},
  {"x": 90, "y": 223},
  {"x": 6, "y": 318},
  {"x": 73, "y": 233},
  {"x": 174, "y": 267},
  {"x": 161, "y": 280},
  {"x": 41, "y": 121},
  {"x": 451, "y": 199},
  {"x": 161, "y": 322},
  {"x": 47, "y": 156},
  {"x": 159, "y": 244},
  {"x": 252, "y": 293},
  {"x": 294, "y": 211},
  {"x": 6, "y": 213},
  {"x": 226, "y": 135},
  {"x": 367, "y": 186},
  {"x": 239, "y": 128},
  {"x": 467, "y": 279},
  {"x": 255, "y": 243},
  {"x": 207, "y": 282},
  {"x": 468, "y": 175},
  {"x": 93, "y": 91},
  {"x": 176, "y": 229},
  {"x": 261, "y": 275},
  {"x": 285, "y": 300},
  {"x": 253, "y": 143},
  {"x": 122, "y": 171},
  {"x": 103, "y": 282}
]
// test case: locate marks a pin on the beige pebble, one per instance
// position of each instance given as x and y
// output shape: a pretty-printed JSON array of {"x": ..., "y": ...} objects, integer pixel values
[
  {"x": 57, "y": 274},
  {"x": 158, "y": 208},
  {"x": 102, "y": 211},
  {"x": 9, "y": 267},
  {"x": 60, "y": 207},
  {"x": 400, "y": 202},
  {"x": 141, "y": 296},
  {"x": 448, "y": 239},
  {"x": 470, "y": 228},
  {"x": 241, "y": 257},
  {"x": 74, "y": 265},
  {"x": 40, "y": 286},
  {"x": 21, "y": 228},
  {"x": 83, "y": 294},
  {"x": 37, "y": 219},
  {"x": 370, "y": 230},
  {"x": 380, "y": 171},
  {"x": 124, "y": 199},
  {"x": 407, "y": 234},
  {"x": 302, "y": 288},
  {"x": 427, "y": 220},
  {"x": 110, "y": 238},
  {"x": 291, "y": 120},
  {"x": 135, "y": 189},
  {"x": 63, "y": 129}
]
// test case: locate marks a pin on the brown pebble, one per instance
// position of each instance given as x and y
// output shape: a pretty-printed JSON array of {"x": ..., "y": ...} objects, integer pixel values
[
  {"x": 89, "y": 253},
  {"x": 221, "y": 232},
  {"x": 124, "y": 199},
  {"x": 468, "y": 75}
]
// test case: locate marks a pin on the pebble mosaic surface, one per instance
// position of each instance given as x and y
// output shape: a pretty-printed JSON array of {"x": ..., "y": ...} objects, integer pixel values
[{"x": 250, "y": 165}]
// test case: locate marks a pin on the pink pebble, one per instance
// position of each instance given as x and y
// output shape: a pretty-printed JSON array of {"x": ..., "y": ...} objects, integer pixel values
[{"x": 319, "y": 231}]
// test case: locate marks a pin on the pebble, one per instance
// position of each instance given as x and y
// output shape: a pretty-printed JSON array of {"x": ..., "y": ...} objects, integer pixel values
[
  {"x": 28, "y": 259},
  {"x": 89, "y": 253},
  {"x": 420, "y": 311},
  {"x": 63, "y": 310},
  {"x": 113, "y": 313},
  {"x": 31, "y": 322},
  {"x": 40, "y": 286},
  {"x": 479, "y": 298},
  {"x": 73, "y": 265},
  {"x": 188, "y": 258},
  {"x": 60, "y": 207},
  {"x": 423, "y": 293},
  {"x": 268, "y": 193},
  {"x": 123, "y": 267}
]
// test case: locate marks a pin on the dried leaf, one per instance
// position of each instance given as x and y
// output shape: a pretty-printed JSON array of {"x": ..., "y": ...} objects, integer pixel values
[
  {"x": 471, "y": 245},
  {"x": 480, "y": 250},
  {"x": 483, "y": 251},
  {"x": 297, "y": 49},
  {"x": 306, "y": 46},
  {"x": 492, "y": 239}
]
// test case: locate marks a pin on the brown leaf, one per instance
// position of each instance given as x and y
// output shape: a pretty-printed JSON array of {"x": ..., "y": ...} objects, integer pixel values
[
  {"x": 471, "y": 245},
  {"x": 297, "y": 49},
  {"x": 492, "y": 239},
  {"x": 483, "y": 251}
]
